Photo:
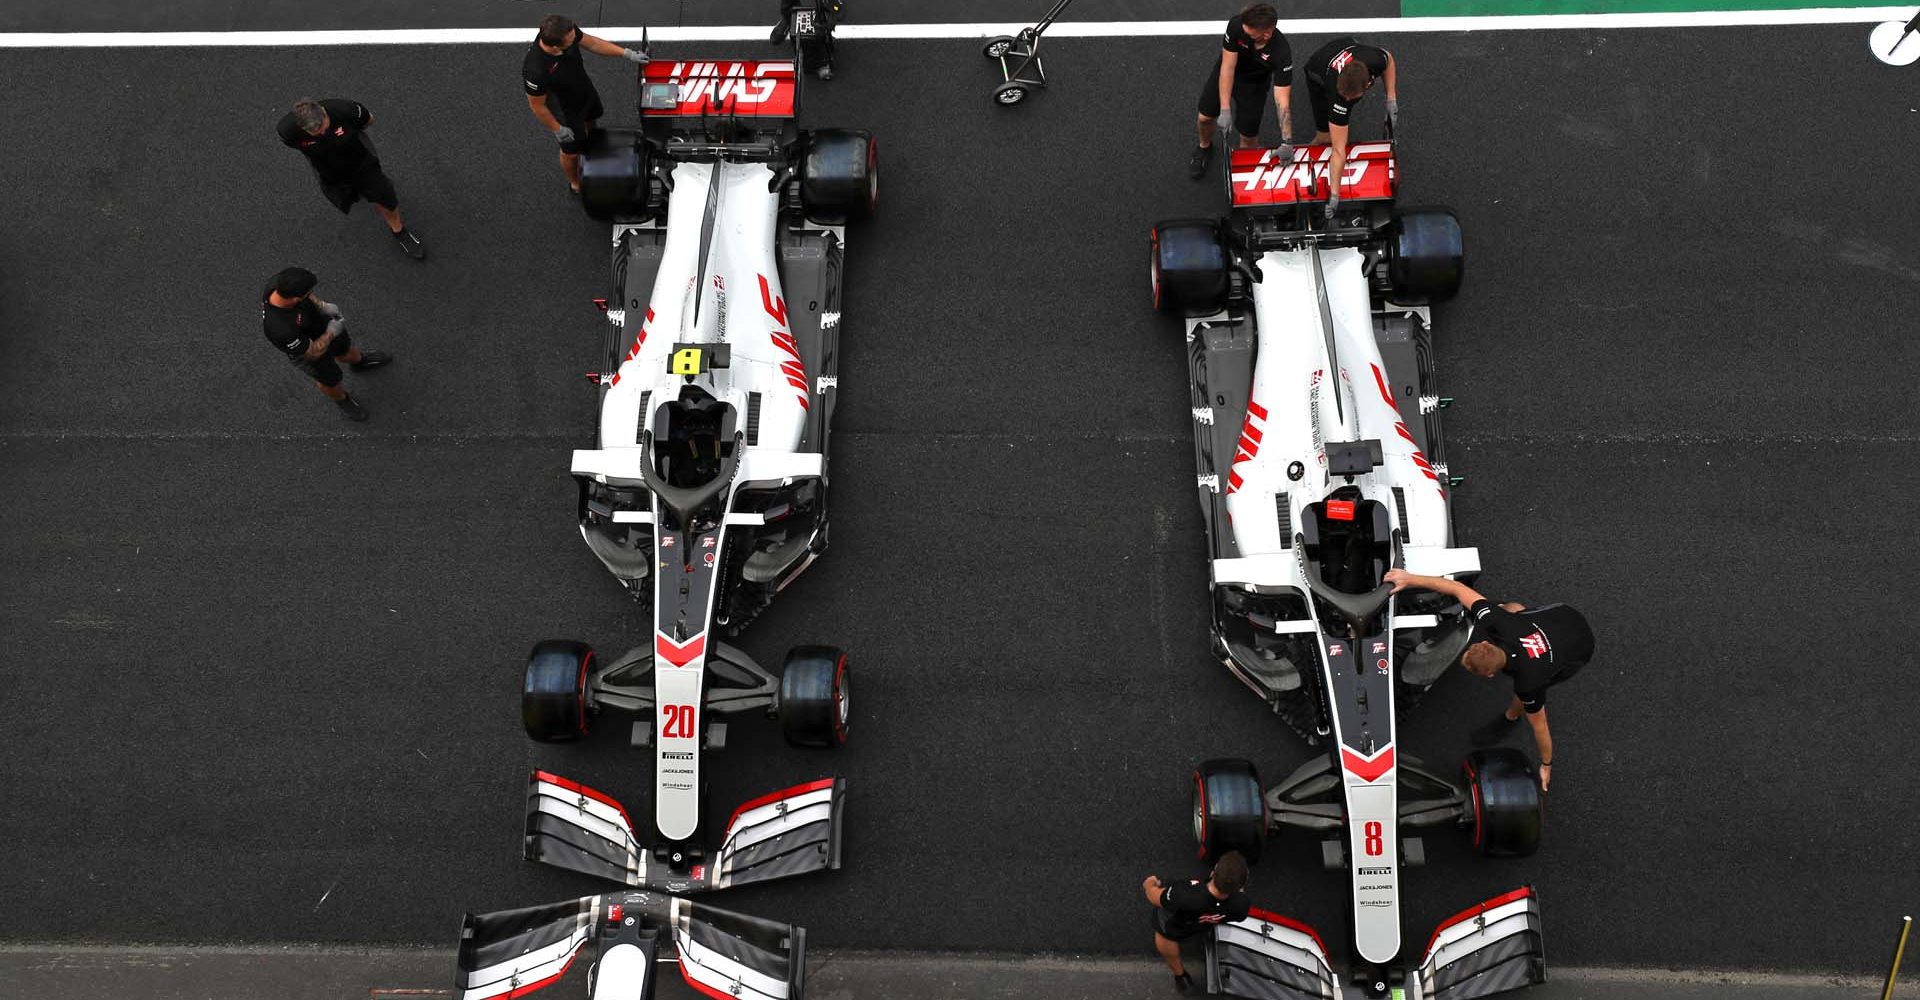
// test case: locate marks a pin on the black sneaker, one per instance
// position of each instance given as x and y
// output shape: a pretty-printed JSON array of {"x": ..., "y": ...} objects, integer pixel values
[
  {"x": 1493, "y": 731},
  {"x": 411, "y": 244},
  {"x": 1182, "y": 983},
  {"x": 370, "y": 360},
  {"x": 352, "y": 408},
  {"x": 1197, "y": 163}
]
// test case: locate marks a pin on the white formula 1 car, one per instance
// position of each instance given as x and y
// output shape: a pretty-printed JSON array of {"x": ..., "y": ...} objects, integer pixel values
[
  {"x": 707, "y": 490},
  {"x": 720, "y": 954},
  {"x": 1321, "y": 466}
]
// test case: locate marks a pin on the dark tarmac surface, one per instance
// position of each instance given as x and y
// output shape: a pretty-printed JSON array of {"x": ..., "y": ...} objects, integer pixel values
[{"x": 261, "y": 665}]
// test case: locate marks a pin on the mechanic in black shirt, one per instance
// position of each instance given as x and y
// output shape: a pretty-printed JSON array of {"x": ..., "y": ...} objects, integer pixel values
[
  {"x": 1537, "y": 647},
  {"x": 1254, "y": 56},
  {"x": 1185, "y": 909},
  {"x": 313, "y": 334},
  {"x": 560, "y": 93},
  {"x": 332, "y": 135},
  {"x": 1338, "y": 74}
]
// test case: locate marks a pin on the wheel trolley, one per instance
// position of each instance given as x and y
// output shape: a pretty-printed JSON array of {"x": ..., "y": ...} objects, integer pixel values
[{"x": 1025, "y": 48}]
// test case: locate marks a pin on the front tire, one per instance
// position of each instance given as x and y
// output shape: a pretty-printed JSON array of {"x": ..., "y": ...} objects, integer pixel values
[
  {"x": 840, "y": 176},
  {"x": 553, "y": 703},
  {"x": 1426, "y": 255},
  {"x": 1229, "y": 810},
  {"x": 1506, "y": 803},
  {"x": 1189, "y": 267},
  {"x": 814, "y": 697}
]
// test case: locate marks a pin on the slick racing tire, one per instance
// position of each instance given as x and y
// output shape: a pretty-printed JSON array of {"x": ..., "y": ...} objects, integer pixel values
[
  {"x": 1506, "y": 803},
  {"x": 553, "y": 706},
  {"x": 1190, "y": 267},
  {"x": 1229, "y": 810},
  {"x": 1426, "y": 255},
  {"x": 614, "y": 179},
  {"x": 840, "y": 176},
  {"x": 813, "y": 697}
]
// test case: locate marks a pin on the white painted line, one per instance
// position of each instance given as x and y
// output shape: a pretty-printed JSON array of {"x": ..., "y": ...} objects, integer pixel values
[{"x": 1060, "y": 29}]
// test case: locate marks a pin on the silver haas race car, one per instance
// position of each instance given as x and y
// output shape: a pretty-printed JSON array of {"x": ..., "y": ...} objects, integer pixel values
[
  {"x": 707, "y": 490},
  {"x": 1321, "y": 467}
]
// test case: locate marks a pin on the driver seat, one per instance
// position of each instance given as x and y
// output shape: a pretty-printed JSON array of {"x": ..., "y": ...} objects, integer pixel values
[
  {"x": 691, "y": 435},
  {"x": 1348, "y": 540}
]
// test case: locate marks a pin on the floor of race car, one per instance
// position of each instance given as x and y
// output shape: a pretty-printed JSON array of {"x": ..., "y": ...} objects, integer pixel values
[{"x": 262, "y": 664}]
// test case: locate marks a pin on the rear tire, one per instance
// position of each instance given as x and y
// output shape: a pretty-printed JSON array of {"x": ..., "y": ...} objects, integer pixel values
[
  {"x": 813, "y": 697},
  {"x": 1189, "y": 267},
  {"x": 840, "y": 176},
  {"x": 1229, "y": 810},
  {"x": 1506, "y": 803},
  {"x": 614, "y": 179},
  {"x": 1426, "y": 255},
  {"x": 553, "y": 705}
]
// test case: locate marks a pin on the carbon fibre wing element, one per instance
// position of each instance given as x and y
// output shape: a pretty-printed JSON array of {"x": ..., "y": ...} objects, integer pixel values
[
  {"x": 1490, "y": 948},
  {"x": 1269, "y": 957},
  {"x": 789, "y": 832}
]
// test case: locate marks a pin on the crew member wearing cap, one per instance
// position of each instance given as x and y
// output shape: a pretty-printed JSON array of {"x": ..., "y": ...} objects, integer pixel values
[{"x": 313, "y": 334}]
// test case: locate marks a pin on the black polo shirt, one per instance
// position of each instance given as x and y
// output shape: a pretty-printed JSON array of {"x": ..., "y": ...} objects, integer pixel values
[
  {"x": 1257, "y": 62},
  {"x": 561, "y": 79},
  {"x": 291, "y": 330},
  {"x": 1544, "y": 645},
  {"x": 1324, "y": 66},
  {"x": 341, "y": 150},
  {"x": 1190, "y": 906}
]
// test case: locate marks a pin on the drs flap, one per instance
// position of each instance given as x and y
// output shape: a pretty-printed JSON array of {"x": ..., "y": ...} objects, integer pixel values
[
  {"x": 670, "y": 88},
  {"x": 1260, "y": 178}
]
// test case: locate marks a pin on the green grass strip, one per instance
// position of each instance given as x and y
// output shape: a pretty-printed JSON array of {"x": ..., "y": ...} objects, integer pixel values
[{"x": 1460, "y": 8}]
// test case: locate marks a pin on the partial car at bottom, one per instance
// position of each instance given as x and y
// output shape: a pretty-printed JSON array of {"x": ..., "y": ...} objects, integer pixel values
[{"x": 1321, "y": 465}]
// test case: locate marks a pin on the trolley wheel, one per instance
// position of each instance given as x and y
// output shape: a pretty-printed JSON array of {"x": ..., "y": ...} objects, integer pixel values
[
  {"x": 997, "y": 47},
  {"x": 1229, "y": 810},
  {"x": 1011, "y": 92}
]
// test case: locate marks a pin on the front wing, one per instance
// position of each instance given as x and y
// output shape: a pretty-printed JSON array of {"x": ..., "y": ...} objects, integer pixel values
[
  {"x": 512, "y": 953},
  {"x": 789, "y": 832}
]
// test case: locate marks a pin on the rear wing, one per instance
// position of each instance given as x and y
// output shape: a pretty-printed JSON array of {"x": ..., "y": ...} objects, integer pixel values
[
  {"x": 512, "y": 953},
  {"x": 671, "y": 88},
  {"x": 1490, "y": 948},
  {"x": 1256, "y": 178},
  {"x": 1269, "y": 957},
  {"x": 793, "y": 831}
]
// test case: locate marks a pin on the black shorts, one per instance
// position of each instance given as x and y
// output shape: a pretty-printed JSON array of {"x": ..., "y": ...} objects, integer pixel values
[
  {"x": 581, "y": 122},
  {"x": 1249, "y": 100},
  {"x": 370, "y": 182},
  {"x": 1321, "y": 98},
  {"x": 324, "y": 369},
  {"x": 1161, "y": 927}
]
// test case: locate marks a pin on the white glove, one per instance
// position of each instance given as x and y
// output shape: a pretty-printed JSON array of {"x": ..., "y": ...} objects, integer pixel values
[
  {"x": 1393, "y": 112},
  {"x": 1283, "y": 153},
  {"x": 330, "y": 310},
  {"x": 563, "y": 135},
  {"x": 1333, "y": 202},
  {"x": 637, "y": 58},
  {"x": 1226, "y": 122}
]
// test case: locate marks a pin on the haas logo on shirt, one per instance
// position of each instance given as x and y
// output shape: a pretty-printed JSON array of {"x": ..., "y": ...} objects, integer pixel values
[
  {"x": 1340, "y": 61},
  {"x": 1535, "y": 645}
]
